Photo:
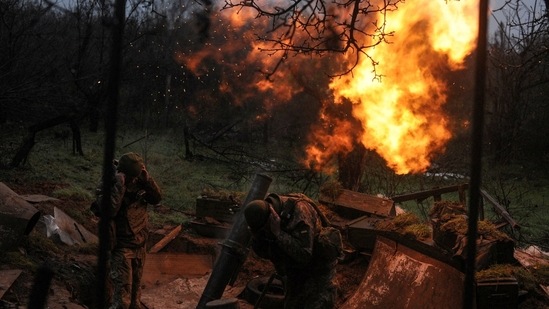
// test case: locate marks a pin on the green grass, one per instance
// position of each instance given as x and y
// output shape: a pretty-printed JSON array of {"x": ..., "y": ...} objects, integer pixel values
[
  {"x": 231, "y": 168},
  {"x": 174, "y": 218},
  {"x": 73, "y": 192}
]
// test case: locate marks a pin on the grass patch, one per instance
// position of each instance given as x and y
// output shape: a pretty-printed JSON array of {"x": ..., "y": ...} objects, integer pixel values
[
  {"x": 406, "y": 224},
  {"x": 73, "y": 192},
  {"x": 529, "y": 278},
  {"x": 85, "y": 248},
  {"x": 227, "y": 168},
  {"x": 31, "y": 246},
  {"x": 159, "y": 219},
  {"x": 18, "y": 260}
]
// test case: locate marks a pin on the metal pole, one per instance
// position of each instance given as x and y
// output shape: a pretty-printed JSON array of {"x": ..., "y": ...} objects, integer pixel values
[
  {"x": 118, "y": 20},
  {"x": 235, "y": 247},
  {"x": 476, "y": 157}
]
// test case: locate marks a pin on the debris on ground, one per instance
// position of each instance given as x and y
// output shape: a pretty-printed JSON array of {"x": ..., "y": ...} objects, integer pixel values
[{"x": 178, "y": 270}]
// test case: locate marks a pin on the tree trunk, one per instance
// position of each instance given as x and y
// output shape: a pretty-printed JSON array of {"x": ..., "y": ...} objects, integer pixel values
[
  {"x": 76, "y": 138},
  {"x": 94, "y": 119},
  {"x": 351, "y": 167},
  {"x": 23, "y": 152},
  {"x": 188, "y": 153}
]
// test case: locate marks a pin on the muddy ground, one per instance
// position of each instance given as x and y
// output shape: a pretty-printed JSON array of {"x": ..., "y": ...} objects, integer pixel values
[{"x": 74, "y": 267}]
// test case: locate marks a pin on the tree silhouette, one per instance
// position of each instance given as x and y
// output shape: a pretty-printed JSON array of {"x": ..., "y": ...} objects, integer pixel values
[
  {"x": 319, "y": 27},
  {"x": 518, "y": 77}
]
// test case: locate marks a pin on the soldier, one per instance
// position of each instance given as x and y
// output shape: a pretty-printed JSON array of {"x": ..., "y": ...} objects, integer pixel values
[
  {"x": 286, "y": 231},
  {"x": 133, "y": 190}
]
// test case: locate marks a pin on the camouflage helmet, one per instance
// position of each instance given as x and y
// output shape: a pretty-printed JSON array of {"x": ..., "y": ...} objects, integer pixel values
[
  {"x": 130, "y": 164},
  {"x": 256, "y": 213}
]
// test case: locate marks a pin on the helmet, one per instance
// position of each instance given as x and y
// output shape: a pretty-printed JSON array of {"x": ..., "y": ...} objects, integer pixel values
[
  {"x": 256, "y": 213},
  {"x": 276, "y": 201},
  {"x": 130, "y": 164}
]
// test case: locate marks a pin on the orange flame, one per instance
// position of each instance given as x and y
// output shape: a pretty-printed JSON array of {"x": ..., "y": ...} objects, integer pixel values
[
  {"x": 337, "y": 140},
  {"x": 401, "y": 108},
  {"x": 397, "y": 109},
  {"x": 234, "y": 44}
]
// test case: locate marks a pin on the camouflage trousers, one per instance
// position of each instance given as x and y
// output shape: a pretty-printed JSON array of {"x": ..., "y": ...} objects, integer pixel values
[{"x": 126, "y": 270}]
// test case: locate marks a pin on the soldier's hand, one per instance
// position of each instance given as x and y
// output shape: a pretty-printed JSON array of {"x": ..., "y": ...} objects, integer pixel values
[
  {"x": 144, "y": 176},
  {"x": 120, "y": 178},
  {"x": 274, "y": 222}
]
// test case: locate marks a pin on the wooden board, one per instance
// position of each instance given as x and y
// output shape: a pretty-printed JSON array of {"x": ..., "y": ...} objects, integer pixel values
[
  {"x": 352, "y": 204},
  {"x": 17, "y": 217},
  {"x": 530, "y": 257},
  {"x": 72, "y": 232},
  {"x": 7, "y": 278},
  {"x": 533, "y": 257}
]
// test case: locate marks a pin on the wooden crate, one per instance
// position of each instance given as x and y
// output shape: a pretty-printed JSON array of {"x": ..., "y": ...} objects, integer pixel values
[
  {"x": 501, "y": 293},
  {"x": 361, "y": 233},
  {"x": 222, "y": 210},
  {"x": 444, "y": 239}
]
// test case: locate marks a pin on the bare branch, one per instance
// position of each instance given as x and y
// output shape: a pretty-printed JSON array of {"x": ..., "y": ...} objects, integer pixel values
[{"x": 319, "y": 27}]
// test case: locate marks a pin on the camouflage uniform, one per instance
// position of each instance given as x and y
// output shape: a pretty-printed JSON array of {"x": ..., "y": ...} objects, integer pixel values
[
  {"x": 308, "y": 278},
  {"x": 129, "y": 201}
]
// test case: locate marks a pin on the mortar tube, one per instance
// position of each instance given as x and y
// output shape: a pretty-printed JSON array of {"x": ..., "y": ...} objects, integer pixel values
[{"x": 235, "y": 247}]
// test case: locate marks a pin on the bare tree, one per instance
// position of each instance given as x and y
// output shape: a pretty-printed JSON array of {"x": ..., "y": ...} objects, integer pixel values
[
  {"x": 30, "y": 70},
  {"x": 318, "y": 26},
  {"x": 518, "y": 75}
]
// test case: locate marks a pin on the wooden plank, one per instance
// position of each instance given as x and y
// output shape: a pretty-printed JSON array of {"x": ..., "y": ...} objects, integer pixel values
[
  {"x": 532, "y": 257},
  {"x": 165, "y": 267},
  {"x": 500, "y": 209},
  {"x": 17, "y": 217},
  {"x": 355, "y": 204},
  {"x": 72, "y": 232},
  {"x": 421, "y": 195},
  {"x": 7, "y": 278},
  {"x": 164, "y": 241}
]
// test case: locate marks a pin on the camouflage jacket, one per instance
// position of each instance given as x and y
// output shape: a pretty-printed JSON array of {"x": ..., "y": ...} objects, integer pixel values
[
  {"x": 129, "y": 210},
  {"x": 292, "y": 249}
]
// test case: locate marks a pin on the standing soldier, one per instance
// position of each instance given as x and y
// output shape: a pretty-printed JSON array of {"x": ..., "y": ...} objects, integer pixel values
[
  {"x": 133, "y": 190},
  {"x": 286, "y": 230}
]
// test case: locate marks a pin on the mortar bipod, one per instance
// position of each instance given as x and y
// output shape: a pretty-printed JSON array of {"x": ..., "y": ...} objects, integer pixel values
[{"x": 266, "y": 288}]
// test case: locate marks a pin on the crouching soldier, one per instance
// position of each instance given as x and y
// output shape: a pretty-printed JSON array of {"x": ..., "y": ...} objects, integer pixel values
[{"x": 290, "y": 232}]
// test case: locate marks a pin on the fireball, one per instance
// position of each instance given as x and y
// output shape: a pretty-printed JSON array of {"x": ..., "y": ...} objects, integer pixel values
[{"x": 399, "y": 101}]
